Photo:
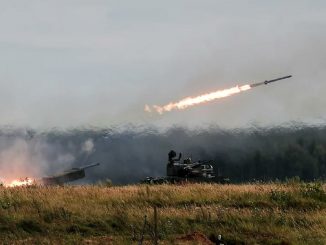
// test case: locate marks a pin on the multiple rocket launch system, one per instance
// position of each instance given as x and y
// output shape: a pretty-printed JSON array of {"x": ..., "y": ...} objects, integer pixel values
[
  {"x": 58, "y": 179},
  {"x": 67, "y": 176}
]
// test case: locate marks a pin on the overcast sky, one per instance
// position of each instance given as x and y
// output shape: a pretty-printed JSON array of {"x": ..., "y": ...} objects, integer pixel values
[{"x": 82, "y": 63}]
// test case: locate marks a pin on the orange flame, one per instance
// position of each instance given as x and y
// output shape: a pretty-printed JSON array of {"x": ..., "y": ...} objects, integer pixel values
[
  {"x": 189, "y": 101},
  {"x": 20, "y": 182}
]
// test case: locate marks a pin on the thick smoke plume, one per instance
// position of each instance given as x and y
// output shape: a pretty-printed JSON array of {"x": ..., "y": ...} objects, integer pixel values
[
  {"x": 26, "y": 153},
  {"x": 126, "y": 156}
]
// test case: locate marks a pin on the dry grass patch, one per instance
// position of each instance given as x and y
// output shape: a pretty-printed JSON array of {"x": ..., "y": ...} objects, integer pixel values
[{"x": 252, "y": 213}]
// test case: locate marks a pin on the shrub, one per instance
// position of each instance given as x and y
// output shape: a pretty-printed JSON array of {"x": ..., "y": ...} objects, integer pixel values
[{"x": 314, "y": 190}]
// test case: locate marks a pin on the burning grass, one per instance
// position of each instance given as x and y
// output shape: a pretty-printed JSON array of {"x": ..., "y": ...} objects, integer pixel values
[{"x": 252, "y": 214}]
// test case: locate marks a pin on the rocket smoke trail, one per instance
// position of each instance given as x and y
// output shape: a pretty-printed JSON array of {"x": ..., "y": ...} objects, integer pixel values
[{"x": 191, "y": 101}]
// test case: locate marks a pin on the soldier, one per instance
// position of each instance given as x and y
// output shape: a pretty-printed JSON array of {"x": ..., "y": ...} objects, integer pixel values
[{"x": 172, "y": 155}]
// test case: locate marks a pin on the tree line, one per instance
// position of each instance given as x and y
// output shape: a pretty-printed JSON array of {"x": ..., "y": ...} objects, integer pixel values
[{"x": 132, "y": 153}]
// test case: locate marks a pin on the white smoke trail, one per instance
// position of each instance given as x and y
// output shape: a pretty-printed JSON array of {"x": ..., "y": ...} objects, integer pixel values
[{"x": 191, "y": 101}]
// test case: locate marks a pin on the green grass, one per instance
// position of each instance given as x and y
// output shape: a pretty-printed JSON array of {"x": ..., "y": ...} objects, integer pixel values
[{"x": 293, "y": 213}]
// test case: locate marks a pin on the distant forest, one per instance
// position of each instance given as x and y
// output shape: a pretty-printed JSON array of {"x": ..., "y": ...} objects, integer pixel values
[
  {"x": 130, "y": 154},
  {"x": 276, "y": 154}
]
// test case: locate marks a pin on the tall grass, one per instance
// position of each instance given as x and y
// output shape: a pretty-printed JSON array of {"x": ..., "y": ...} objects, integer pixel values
[{"x": 293, "y": 213}]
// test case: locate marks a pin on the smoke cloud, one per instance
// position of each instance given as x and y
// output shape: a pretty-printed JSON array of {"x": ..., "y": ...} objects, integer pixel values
[
  {"x": 26, "y": 153},
  {"x": 88, "y": 146}
]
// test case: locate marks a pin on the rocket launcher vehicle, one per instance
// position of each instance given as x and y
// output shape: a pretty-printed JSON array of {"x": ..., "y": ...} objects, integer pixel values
[{"x": 67, "y": 176}]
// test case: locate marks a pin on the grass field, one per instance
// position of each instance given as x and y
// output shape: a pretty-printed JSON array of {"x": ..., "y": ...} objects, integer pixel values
[{"x": 291, "y": 213}]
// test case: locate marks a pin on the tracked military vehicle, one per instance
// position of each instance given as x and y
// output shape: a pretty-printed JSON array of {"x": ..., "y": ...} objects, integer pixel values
[
  {"x": 67, "y": 176},
  {"x": 178, "y": 171}
]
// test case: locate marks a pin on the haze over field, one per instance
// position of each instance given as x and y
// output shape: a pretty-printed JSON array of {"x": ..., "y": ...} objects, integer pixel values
[{"x": 74, "y": 64}]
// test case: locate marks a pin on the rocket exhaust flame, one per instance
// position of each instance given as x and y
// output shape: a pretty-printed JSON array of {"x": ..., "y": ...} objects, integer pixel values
[
  {"x": 20, "y": 182},
  {"x": 191, "y": 101}
]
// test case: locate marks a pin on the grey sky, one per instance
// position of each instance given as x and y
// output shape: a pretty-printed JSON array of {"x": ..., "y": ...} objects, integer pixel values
[{"x": 97, "y": 63}]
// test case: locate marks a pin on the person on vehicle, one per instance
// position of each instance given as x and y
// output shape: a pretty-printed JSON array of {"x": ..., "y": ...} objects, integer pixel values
[{"x": 172, "y": 157}]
